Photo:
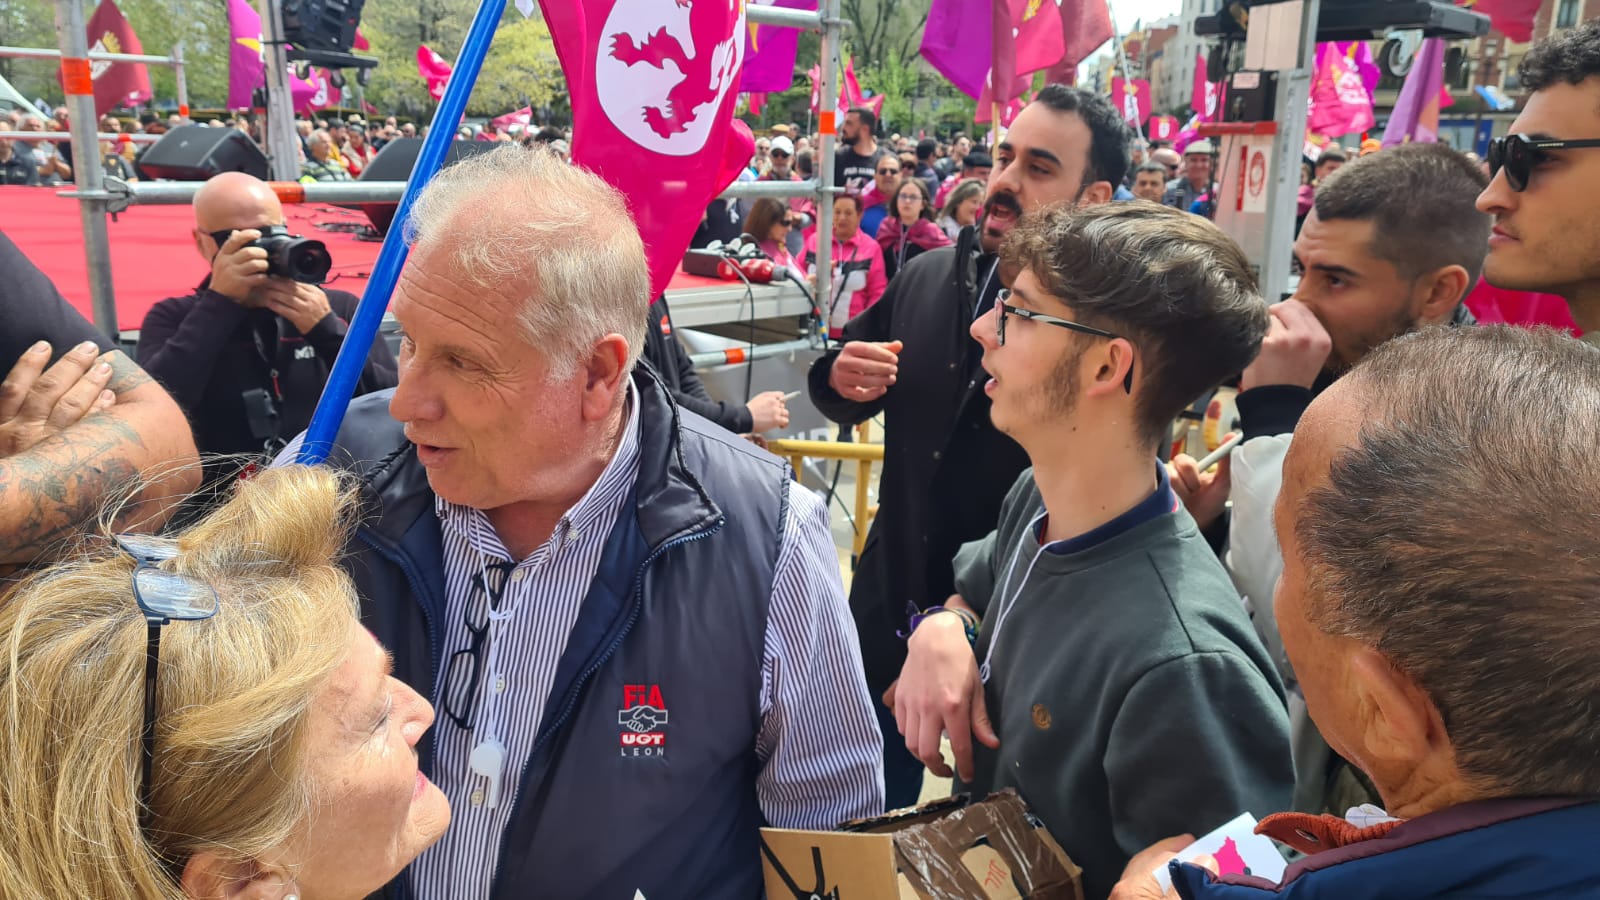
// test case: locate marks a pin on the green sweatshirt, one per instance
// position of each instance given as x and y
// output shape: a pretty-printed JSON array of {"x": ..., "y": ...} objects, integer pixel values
[{"x": 1131, "y": 696}]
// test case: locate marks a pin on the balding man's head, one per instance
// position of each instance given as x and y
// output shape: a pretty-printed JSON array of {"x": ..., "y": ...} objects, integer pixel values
[{"x": 232, "y": 201}]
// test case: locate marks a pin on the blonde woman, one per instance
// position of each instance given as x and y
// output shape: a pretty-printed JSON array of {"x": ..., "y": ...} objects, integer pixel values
[{"x": 204, "y": 718}]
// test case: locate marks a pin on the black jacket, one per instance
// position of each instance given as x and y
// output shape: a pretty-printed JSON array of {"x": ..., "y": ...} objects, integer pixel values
[
  {"x": 672, "y": 365},
  {"x": 945, "y": 468},
  {"x": 210, "y": 353}
]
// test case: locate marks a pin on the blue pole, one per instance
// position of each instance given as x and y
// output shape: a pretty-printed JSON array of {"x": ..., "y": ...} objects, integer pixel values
[{"x": 363, "y": 328}]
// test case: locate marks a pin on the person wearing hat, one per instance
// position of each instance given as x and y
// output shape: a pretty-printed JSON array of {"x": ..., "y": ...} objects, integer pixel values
[
  {"x": 781, "y": 168},
  {"x": 1195, "y": 181}
]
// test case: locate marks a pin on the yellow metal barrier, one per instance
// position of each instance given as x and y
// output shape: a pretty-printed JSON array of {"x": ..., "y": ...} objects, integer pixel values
[{"x": 864, "y": 455}]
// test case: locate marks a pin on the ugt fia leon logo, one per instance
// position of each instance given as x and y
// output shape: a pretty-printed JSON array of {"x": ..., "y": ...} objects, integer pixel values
[{"x": 643, "y": 716}]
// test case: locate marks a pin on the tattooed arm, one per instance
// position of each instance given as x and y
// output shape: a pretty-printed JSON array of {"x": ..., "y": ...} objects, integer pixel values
[{"x": 56, "y": 487}]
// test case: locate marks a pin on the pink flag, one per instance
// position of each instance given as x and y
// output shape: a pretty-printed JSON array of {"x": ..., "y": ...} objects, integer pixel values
[
  {"x": 1416, "y": 110},
  {"x": 1512, "y": 18},
  {"x": 247, "y": 70},
  {"x": 1206, "y": 100},
  {"x": 360, "y": 42},
  {"x": 314, "y": 93},
  {"x": 852, "y": 93},
  {"x": 770, "y": 51},
  {"x": 664, "y": 135},
  {"x": 1085, "y": 25},
  {"x": 1133, "y": 98},
  {"x": 523, "y": 117},
  {"x": 755, "y": 100},
  {"x": 1339, "y": 100},
  {"x": 1163, "y": 128},
  {"x": 435, "y": 70},
  {"x": 1008, "y": 113},
  {"x": 115, "y": 83}
]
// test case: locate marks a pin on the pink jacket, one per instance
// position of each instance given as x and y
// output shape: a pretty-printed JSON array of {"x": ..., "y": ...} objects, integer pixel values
[{"x": 858, "y": 270}]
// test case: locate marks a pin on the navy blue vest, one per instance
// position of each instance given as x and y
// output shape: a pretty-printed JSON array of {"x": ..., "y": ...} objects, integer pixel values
[{"x": 643, "y": 775}]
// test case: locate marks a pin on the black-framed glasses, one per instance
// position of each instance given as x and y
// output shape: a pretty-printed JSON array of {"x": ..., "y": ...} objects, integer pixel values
[
  {"x": 164, "y": 597},
  {"x": 463, "y": 671},
  {"x": 1517, "y": 154},
  {"x": 1006, "y": 310}
]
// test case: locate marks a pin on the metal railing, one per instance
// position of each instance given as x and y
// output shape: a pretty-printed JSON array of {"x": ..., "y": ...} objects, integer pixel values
[{"x": 862, "y": 454}]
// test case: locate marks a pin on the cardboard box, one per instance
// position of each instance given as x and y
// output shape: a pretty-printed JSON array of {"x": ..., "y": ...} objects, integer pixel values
[{"x": 946, "y": 850}]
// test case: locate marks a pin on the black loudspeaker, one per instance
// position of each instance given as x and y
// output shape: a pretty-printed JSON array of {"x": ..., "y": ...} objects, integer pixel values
[
  {"x": 394, "y": 162},
  {"x": 197, "y": 152},
  {"x": 321, "y": 24}
]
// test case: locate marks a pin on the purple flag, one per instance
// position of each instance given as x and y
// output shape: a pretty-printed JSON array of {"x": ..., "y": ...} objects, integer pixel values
[
  {"x": 769, "y": 51},
  {"x": 1416, "y": 111},
  {"x": 246, "y": 69},
  {"x": 956, "y": 42}
]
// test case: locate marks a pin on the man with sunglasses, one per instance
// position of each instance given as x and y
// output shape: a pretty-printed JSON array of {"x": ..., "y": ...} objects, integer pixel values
[
  {"x": 1543, "y": 175},
  {"x": 876, "y": 200},
  {"x": 1094, "y": 655},
  {"x": 246, "y": 354},
  {"x": 910, "y": 357}
]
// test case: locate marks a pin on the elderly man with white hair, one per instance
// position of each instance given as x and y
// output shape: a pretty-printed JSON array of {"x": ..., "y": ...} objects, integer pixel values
[
  {"x": 630, "y": 620},
  {"x": 321, "y": 165}
]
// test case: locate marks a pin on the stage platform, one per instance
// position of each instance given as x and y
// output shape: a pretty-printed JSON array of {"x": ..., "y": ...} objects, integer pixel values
[{"x": 153, "y": 257}]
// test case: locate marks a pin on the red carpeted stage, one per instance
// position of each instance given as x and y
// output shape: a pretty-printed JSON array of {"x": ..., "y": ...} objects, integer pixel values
[{"x": 153, "y": 255}]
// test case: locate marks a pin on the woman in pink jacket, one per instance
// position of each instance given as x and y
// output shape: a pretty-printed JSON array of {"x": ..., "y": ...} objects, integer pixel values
[{"x": 858, "y": 276}]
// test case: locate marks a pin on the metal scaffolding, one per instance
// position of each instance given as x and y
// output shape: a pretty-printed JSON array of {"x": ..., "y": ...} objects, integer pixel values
[{"x": 99, "y": 195}]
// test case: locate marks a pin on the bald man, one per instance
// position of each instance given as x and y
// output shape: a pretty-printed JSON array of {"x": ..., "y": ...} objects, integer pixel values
[{"x": 246, "y": 354}]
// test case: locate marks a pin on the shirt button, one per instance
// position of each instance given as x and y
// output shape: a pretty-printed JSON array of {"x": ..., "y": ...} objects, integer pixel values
[
  {"x": 519, "y": 574},
  {"x": 938, "y": 454},
  {"x": 477, "y": 798},
  {"x": 952, "y": 367},
  {"x": 500, "y": 684}
]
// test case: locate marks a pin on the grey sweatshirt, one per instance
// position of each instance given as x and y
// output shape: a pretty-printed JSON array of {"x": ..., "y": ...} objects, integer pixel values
[{"x": 1131, "y": 696}]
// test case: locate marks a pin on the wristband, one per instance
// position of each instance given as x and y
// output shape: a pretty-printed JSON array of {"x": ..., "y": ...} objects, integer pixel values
[{"x": 969, "y": 622}]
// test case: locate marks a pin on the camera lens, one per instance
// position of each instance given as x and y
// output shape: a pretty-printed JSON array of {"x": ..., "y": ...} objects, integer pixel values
[{"x": 301, "y": 259}]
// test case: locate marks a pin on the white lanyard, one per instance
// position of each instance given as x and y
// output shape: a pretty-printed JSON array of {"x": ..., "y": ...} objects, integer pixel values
[
  {"x": 1006, "y": 602},
  {"x": 488, "y": 756},
  {"x": 977, "y": 302}
]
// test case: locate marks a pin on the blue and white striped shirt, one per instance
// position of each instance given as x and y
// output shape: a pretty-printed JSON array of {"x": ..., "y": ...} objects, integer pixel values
[{"x": 818, "y": 743}]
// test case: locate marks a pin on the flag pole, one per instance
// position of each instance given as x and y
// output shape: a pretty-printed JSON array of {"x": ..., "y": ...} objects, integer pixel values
[
  {"x": 1122, "y": 63},
  {"x": 364, "y": 324}
]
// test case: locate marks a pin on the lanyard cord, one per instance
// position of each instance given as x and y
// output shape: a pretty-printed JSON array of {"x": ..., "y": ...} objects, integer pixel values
[{"x": 1006, "y": 602}]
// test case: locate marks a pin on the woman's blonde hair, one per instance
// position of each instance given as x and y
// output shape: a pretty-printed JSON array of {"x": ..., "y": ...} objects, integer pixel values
[{"x": 234, "y": 692}]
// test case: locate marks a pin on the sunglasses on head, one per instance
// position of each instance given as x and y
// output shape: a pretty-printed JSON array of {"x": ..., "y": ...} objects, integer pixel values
[
  {"x": 163, "y": 598},
  {"x": 1517, "y": 154}
]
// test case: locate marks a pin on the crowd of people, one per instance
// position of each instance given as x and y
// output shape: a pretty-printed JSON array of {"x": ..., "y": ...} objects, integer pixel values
[
  {"x": 327, "y": 148},
  {"x": 538, "y": 628}
]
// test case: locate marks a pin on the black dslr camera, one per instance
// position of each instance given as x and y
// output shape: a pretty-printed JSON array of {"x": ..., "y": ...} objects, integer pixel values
[{"x": 288, "y": 256}]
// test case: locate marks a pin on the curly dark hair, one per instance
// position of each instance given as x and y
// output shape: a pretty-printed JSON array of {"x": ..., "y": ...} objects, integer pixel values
[{"x": 1571, "y": 57}]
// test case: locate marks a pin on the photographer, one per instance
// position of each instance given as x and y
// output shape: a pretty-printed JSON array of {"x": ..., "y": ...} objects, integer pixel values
[{"x": 247, "y": 353}]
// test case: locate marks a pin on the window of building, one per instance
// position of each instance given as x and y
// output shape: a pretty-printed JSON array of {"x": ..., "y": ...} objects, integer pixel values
[{"x": 1567, "y": 13}]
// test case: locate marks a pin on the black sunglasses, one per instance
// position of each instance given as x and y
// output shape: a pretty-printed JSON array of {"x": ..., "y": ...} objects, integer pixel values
[
  {"x": 164, "y": 597},
  {"x": 462, "y": 672},
  {"x": 779, "y": 154},
  {"x": 1006, "y": 310},
  {"x": 888, "y": 171},
  {"x": 1517, "y": 154}
]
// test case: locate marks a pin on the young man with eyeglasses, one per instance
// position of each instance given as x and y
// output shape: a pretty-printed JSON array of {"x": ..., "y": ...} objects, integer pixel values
[
  {"x": 1130, "y": 699},
  {"x": 1546, "y": 226},
  {"x": 910, "y": 357}
]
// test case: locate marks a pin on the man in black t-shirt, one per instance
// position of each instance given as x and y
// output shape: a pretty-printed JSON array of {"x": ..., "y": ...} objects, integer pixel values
[
  {"x": 66, "y": 447},
  {"x": 857, "y": 160}
]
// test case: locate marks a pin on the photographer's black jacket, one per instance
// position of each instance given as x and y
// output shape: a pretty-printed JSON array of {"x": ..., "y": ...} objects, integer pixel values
[{"x": 211, "y": 353}]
